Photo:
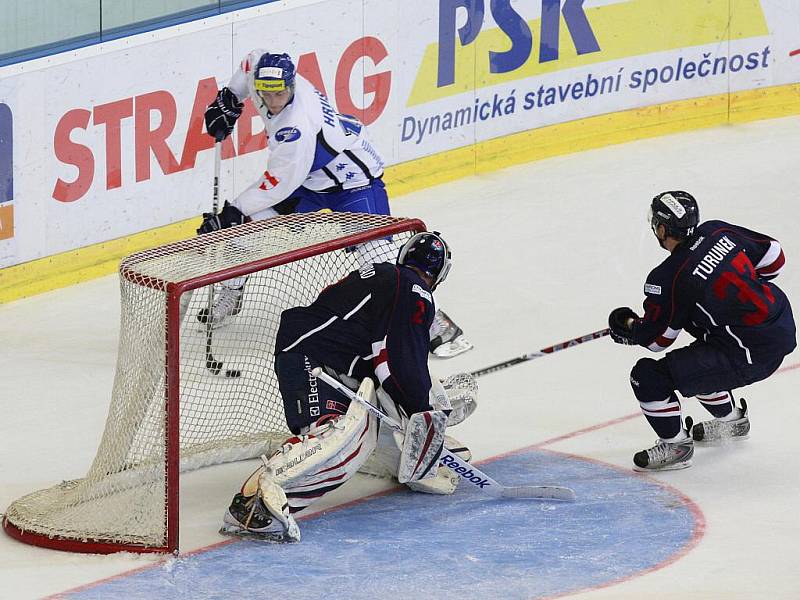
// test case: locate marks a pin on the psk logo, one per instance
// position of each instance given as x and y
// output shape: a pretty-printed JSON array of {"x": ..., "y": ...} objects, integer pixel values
[
  {"x": 6, "y": 173},
  {"x": 437, "y": 245},
  {"x": 287, "y": 134}
]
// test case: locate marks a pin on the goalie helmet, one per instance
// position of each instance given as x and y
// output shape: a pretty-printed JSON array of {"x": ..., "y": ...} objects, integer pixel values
[
  {"x": 274, "y": 73},
  {"x": 428, "y": 252},
  {"x": 677, "y": 211}
]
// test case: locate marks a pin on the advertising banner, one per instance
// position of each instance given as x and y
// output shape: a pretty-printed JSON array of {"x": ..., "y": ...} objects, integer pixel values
[{"x": 108, "y": 141}]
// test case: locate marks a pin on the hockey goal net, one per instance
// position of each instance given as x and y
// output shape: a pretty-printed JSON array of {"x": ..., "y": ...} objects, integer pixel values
[{"x": 169, "y": 412}]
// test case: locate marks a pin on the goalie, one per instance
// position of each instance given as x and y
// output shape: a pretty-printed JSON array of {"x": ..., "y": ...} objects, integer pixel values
[{"x": 370, "y": 327}]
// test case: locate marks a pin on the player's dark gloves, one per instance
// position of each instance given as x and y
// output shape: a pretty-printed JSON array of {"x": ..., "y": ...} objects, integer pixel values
[
  {"x": 222, "y": 113},
  {"x": 621, "y": 332},
  {"x": 229, "y": 217}
]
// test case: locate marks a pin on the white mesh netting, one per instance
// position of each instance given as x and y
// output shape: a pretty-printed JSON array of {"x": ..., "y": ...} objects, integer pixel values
[{"x": 122, "y": 500}]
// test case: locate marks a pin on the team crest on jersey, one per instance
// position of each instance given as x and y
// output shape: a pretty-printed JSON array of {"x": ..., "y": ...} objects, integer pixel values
[
  {"x": 287, "y": 134},
  {"x": 649, "y": 288}
]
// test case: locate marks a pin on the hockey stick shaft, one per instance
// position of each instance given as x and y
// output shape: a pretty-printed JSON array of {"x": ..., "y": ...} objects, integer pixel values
[
  {"x": 213, "y": 365},
  {"x": 543, "y": 352},
  {"x": 465, "y": 470}
]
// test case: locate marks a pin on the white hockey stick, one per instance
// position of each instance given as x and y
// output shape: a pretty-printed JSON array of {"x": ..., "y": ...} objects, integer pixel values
[{"x": 465, "y": 470}]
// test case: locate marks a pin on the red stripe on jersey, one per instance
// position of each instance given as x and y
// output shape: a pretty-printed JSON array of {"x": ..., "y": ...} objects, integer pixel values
[
  {"x": 383, "y": 356},
  {"x": 773, "y": 267},
  {"x": 664, "y": 341}
]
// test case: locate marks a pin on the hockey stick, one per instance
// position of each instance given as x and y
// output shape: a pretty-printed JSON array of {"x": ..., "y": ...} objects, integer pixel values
[
  {"x": 213, "y": 365},
  {"x": 543, "y": 352},
  {"x": 469, "y": 473}
]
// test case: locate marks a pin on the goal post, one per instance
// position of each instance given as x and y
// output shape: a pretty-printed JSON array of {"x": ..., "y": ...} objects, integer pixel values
[{"x": 169, "y": 413}]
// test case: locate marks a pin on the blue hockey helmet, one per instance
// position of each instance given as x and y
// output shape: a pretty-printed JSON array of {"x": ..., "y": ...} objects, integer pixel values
[
  {"x": 677, "y": 211},
  {"x": 274, "y": 73},
  {"x": 429, "y": 253}
]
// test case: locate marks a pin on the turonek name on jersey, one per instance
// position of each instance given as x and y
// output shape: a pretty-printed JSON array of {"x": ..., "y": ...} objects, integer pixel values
[{"x": 714, "y": 257}]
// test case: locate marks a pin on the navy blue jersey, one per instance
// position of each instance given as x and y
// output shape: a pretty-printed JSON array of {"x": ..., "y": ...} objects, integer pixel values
[
  {"x": 373, "y": 323},
  {"x": 716, "y": 286}
]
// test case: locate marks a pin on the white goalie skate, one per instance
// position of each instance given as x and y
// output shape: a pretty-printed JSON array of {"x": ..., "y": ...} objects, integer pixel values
[
  {"x": 261, "y": 511},
  {"x": 447, "y": 338},
  {"x": 227, "y": 303}
]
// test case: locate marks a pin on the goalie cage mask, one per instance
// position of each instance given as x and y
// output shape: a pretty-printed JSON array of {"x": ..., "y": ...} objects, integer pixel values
[{"x": 429, "y": 253}]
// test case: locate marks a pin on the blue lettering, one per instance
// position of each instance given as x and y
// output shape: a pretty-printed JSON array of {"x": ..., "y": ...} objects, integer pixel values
[
  {"x": 447, "y": 34},
  {"x": 516, "y": 29}
]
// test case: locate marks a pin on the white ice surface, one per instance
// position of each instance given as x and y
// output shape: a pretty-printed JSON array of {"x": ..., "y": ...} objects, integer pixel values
[{"x": 542, "y": 252}]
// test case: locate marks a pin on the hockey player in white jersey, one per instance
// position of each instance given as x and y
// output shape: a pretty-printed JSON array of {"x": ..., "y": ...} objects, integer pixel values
[{"x": 318, "y": 160}]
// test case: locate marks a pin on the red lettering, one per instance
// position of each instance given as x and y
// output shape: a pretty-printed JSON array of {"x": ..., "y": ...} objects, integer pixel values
[
  {"x": 111, "y": 116},
  {"x": 247, "y": 141},
  {"x": 308, "y": 67},
  {"x": 197, "y": 139},
  {"x": 71, "y": 153},
  {"x": 379, "y": 84},
  {"x": 146, "y": 139}
]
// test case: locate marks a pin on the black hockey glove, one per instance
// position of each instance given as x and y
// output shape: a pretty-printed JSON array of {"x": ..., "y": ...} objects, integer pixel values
[
  {"x": 222, "y": 113},
  {"x": 229, "y": 217},
  {"x": 621, "y": 332}
]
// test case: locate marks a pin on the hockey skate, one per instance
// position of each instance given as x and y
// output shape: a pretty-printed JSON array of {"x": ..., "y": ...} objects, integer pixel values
[
  {"x": 263, "y": 516},
  {"x": 447, "y": 338},
  {"x": 717, "y": 430},
  {"x": 666, "y": 456},
  {"x": 227, "y": 303}
]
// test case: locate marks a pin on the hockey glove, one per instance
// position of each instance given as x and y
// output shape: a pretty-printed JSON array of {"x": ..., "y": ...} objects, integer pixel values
[
  {"x": 222, "y": 113},
  {"x": 621, "y": 330},
  {"x": 229, "y": 217}
]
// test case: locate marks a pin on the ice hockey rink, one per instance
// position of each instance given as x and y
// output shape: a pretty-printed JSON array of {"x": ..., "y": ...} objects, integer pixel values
[{"x": 542, "y": 253}]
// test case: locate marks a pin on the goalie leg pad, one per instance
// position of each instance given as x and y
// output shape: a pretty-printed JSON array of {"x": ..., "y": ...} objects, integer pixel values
[
  {"x": 309, "y": 466},
  {"x": 422, "y": 446}
]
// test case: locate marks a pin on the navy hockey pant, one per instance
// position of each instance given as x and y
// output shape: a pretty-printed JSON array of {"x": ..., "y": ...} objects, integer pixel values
[
  {"x": 306, "y": 398},
  {"x": 699, "y": 368}
]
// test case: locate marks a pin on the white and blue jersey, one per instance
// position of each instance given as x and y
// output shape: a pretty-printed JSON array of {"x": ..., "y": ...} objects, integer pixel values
[{"x": 318, "y": 158}]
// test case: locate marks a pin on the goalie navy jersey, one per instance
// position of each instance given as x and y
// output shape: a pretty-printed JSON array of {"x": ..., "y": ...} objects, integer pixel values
[
  {"x": 716, "y": 285},
  {"x": 373, "y": 323}
]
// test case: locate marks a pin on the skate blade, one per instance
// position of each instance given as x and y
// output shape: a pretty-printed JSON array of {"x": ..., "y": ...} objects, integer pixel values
[
  {"x": 453, "y": 348},
  {"x": 245, "y": 534},
  {"x": 673, "y": 467},
  {"x": 722, "y": 440}
]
